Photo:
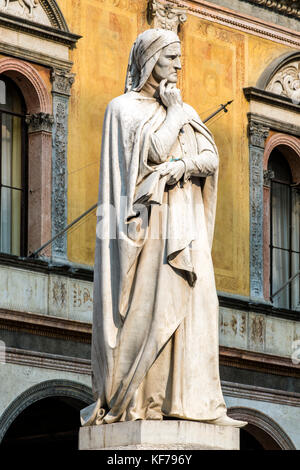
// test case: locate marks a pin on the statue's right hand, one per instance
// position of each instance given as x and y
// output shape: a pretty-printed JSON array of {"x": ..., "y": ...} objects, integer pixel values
[{"x": 169, "y": 94}]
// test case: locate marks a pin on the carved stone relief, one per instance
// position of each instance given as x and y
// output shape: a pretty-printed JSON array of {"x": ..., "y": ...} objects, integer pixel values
[
  {"x": 286, "y": 82},
  {"x": 166, "y": 16},
  {"x": 61, "y": 88},
  {"x": 62, "y": 82},
  {"x": 27, "y": 9},
  {"x": 39, "y": 122},
  {"x": 257, "y": 136},
  {"x": 59, "y": 181}
]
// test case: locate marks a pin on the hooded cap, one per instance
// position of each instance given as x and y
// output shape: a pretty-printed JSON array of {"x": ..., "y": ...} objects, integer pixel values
[{"x": 144, "y": 54}]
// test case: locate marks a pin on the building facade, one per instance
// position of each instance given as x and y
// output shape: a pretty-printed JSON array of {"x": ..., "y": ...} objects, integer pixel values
[{"x": 61, "y": 62}]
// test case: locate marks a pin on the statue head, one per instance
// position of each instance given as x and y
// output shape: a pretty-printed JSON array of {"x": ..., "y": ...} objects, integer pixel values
[{"x": 157, "y": 52}]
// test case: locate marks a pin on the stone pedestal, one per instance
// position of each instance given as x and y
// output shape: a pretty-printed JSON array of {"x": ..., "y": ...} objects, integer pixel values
[{"x": 160, "y": 435}]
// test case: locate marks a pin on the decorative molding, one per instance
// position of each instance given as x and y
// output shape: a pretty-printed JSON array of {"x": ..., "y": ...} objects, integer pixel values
[
  {"x": 268, "y": 176},
  {"x": 40, "y": 122},
  {"x": 33, "y": 56},
  {"x": 290, "y": 146},
  {"x": 258, "y": 361},
  {"x": 47, "y": 361},
  {"x": 62, "y": 81},
  {"x": 257, "y": 419},
  {"x": 258, "y": 134},
  {"x": 49, "y": 388},
  {"x": 39, "y": 30},
  {"x": 269, "y": 395},
  {"x": 166, "y": 15},
  {"x": 267, "y": 97},
  {"x": 286, "y": 82},
  {"x": 65, "y": 269},
  {"x": 285, "y": 7},
  {"x": 59, "y": 175},
  {"x": 45, "y": 325},
  {"x": 276, "y": 64},
  {"x": 35, "y": 92},
  {"x": 240, "y": 21},
  {"x": 54, "y": 14},
  {"x": 61, "y": 89},
  {"x": 274, "y": 124}
]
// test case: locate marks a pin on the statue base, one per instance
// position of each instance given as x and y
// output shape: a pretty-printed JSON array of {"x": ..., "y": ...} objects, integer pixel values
[{"x": 159, "y": 435}]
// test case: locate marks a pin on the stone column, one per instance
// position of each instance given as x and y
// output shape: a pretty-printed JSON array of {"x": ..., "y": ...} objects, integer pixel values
[
  {"x": 61, "y": 87},
  {"x": 257, "y": 137},
  {"x": 39, "y": 196}
]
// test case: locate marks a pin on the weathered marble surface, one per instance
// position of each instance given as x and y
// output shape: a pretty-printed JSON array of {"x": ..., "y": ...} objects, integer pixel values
[
  {"x": 155, "y": 321},
  {"x": 168, "y": 435},
  {"x": 29, "y": 291}
]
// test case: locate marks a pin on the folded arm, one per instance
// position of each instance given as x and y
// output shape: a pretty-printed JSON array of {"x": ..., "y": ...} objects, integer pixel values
[
  {"x": 205, "y": 163},
  {"x": 162, "y": 141}
]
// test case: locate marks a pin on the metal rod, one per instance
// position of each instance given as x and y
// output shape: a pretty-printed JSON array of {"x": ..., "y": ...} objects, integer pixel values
[
  {"x": 284, "y": 285},
  {"x": 36, "y": 252},
  {"x": 223, "y": 107},
  {"x": 33, "y": 255}
]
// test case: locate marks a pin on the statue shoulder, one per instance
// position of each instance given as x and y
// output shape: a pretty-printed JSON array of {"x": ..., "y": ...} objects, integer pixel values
[
  {"x": 124, "y": 105},
  {"x": 191, "y": 112}
]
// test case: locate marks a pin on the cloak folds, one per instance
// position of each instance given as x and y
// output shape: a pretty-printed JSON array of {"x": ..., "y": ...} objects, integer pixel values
[{"x": 129, "y": 336}]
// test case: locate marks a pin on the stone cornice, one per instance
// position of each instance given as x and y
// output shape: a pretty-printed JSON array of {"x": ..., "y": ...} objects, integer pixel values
[
  {"x": 274, "y": 124},
  {"x": 250, "y": 392},
  {"x": 258, "y": 361},
  {"x": 285, "y": 7},
  {"x": 47, "y": 361},
  {"x": 45, "y": 325},
  {"x": 71, "y": 270},
  {"x": 72, "y": 330},
  {"x": 241, "y": 21},
  {"x": 39, "y": 30},
  {"x": 33, "y": 56},
  {"x": 263, "y": 96}
]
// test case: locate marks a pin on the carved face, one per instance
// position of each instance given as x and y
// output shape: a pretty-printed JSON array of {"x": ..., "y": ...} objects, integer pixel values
[{"x": 168, "y": 64}]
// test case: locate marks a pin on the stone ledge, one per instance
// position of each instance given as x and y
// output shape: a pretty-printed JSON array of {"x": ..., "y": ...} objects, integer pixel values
[{"x": 168, "y": 434}]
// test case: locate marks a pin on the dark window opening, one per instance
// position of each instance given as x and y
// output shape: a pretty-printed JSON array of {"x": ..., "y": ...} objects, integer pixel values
[
  {"x": 13, "y": 170},
  {"x": 284, "y": 229},
  {"x": 48, "y": 424}
]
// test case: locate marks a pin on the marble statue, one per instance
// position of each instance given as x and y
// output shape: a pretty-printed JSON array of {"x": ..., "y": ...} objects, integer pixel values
[{"x": 155, "y": 325}]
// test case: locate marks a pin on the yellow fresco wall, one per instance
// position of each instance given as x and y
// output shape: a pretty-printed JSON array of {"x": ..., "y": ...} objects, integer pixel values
[{"x": 218, "y": 62}]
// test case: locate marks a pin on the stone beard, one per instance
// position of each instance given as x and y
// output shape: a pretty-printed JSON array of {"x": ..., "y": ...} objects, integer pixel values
[{"x": 155, "y": 326}]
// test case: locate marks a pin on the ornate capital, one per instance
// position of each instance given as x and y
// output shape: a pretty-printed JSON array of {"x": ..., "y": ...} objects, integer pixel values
[
  {"x": 62, "y": 81},
  {"x": 166, "y": 15},
  {"x": 258, "y": 134},
  {"x": 268, "y": 175},
  {"x": 41, "y": 122}
]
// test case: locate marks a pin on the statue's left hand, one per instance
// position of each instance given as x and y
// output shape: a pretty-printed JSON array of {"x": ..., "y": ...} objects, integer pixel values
[{"x": 174, "y": 170}]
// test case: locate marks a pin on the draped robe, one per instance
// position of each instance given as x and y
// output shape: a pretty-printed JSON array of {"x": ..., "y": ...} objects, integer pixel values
[{"x": 155, "y": 324}]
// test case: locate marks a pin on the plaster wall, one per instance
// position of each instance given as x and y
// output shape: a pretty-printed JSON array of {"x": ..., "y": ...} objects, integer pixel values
[{"x": 218, "y": 62}]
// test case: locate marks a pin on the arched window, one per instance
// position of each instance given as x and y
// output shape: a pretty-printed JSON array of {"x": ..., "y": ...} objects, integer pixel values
[
  {"x": 284, "y": 234},
  {"x": 13, "y": 170}
]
